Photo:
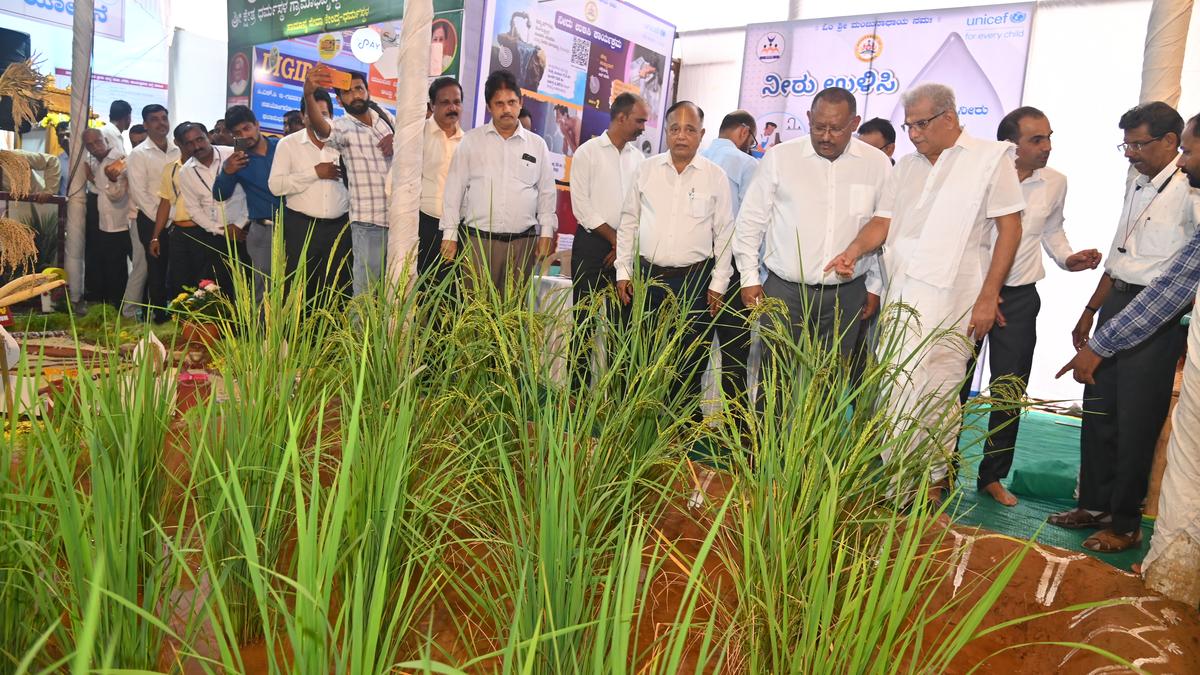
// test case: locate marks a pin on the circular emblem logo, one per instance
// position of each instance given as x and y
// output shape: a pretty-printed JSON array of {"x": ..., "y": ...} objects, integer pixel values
[
  {"x": 366, "y": 45},
  {"x": 329, "y": 45},
  {"x": 770, "y": 48},
  {"x": 868, "y": 47},
  {"x": 591, "y": 11},
  {"x": 1018, "y": 17}
]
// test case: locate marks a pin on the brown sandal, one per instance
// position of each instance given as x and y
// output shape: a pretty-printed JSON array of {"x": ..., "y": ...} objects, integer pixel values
[
  {"x": 1079, "y": 519},
  {"x": 1107, "y": 541}
]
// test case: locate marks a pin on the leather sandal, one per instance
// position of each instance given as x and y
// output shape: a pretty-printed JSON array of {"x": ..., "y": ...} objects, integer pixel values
[
  {"x": 1079, "y": 519},
  {"x": 1108, "y": 541}
]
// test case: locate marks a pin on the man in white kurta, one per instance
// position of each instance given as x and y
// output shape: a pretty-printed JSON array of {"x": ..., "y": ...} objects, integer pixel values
[{"x": 936, "y": 215}]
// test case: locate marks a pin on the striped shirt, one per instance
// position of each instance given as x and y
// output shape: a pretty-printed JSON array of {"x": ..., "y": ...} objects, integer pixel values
[{"x": 366, "y": 166}]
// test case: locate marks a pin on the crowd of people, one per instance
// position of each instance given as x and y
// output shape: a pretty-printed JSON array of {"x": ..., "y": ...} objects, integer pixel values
[{"x": 828, "y": 224}]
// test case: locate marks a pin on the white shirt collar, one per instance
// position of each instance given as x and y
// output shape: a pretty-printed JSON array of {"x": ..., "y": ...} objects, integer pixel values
[
  {"x": 521, "y": 131},
  {"x": 665, "y": 160},
  {"x": 1161, "y": 178},
  {"x": 852, "y": 148},
  {"x": 431, "y": 127}
]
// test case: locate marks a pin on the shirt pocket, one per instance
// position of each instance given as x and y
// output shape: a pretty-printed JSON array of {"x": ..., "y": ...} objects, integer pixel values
[
  {"x": 528, "y": 172},
  {"x": 700, "y": 205},
  {"x": 862, "y": 202},
  {"x": 1160, "y": 237}
]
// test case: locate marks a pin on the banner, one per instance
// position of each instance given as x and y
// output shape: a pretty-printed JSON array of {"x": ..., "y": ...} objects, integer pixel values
[
  {"x": 571, "y": 58},
  {"x": 270, "y": 77},
  {"x": 257, "y": 21},
  {"x": 110, "y": 14},
  {"x": 980, "y": 52}
]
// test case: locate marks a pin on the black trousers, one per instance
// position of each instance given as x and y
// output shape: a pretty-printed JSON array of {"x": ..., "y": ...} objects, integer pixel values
[
  {"x": 329, "y": 257},
  {"x": 1123, "y": 414},
  {"x": 589, "y": 276},
  {"x": 1010, "y": 353},
  {"x": 691, "y": 290},
  {"x": 733, "y": 334},
  {"x": 93, "y": 257},
  {"x": 156, "y": 268},
  {"x": 429, "y": 250},
  {"x": 197, "y": 254},
  {"x": 113, "y": 251}
]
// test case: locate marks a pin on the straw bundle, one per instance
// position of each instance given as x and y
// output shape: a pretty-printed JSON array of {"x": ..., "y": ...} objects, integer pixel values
[
  {"x": 18, "y": 249},
  {"x": 25, "y": 86},
  {"x": 20, "y": 176}
]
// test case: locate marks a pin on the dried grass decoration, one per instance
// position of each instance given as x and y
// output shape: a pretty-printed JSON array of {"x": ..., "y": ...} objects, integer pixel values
[
  {"x": 18, "y": 249},
  {"x": 26, "y": 87},
  {"x": 20, "y": 177}
]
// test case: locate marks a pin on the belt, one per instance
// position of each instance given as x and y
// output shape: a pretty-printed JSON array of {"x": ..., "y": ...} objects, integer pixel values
[
  {"x": 816, "y": 287},
  {"x": 265, "y": 222},
  {"x": 500, "y": 236},
  {"x": 184, "y": 223},
  {"x": 1126, "y": 287},
  {"x": 673, "y": 272}
]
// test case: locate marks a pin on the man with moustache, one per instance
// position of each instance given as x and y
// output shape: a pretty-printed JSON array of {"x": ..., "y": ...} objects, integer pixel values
[
  {"x": 173, "y": 212},
  {"x": 1126, "y": 402},
  {"x": 148, "y": 281},
  {"x": 364, "y": 137},
  {"x": 1010, "y": 347},
  {"x": 936, "y": 211},
  {"x": 251, "y": 170},
  {"x": 809, "y": 200},
  {"x": 601, "y": 174},
  {"x": 106, "y": 164},
  {"x": 500, "y": 194},
  {"x": 1172, "y": 566},
  {"x": 293, "y": 121},
  {"x": 442, "y": 136},
  {"x": 675, "y": 230},
  {"x": 217, "y": 243}
]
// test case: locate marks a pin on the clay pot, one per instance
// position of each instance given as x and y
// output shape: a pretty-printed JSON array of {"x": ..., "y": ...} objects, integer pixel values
[
  {"x": 200, "y": 334},
  {"x": 192, "y": 389}
]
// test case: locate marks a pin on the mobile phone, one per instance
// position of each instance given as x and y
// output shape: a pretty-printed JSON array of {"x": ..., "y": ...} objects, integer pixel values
[
  {"x": 244, "y": 144},
  {"x": 339, "y": 79}
]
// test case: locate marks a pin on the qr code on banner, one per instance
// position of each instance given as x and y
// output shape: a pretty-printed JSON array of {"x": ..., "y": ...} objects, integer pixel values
[{"x": 580, "y": 52}]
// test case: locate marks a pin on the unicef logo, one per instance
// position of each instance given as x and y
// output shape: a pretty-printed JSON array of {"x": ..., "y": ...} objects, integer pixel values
[
  {"x": 1018, "y": 17},
  {"x": 770, "y": 48}
]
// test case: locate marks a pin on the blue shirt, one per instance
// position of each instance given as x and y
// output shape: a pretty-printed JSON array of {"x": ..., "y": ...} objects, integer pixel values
[
  {"x": 253, "y": 177},
  {"x": 1159, "y": 303},
  {"x": 737, "y": 165}
]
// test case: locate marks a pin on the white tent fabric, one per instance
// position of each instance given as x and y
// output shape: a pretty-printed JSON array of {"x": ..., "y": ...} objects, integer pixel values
[
  {"x": 81, "y": 95},
  {"x": 405, "y": 202},
  {"x": 1166, "y": 43}
]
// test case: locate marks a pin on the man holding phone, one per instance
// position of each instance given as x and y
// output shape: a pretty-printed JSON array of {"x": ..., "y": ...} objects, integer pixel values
[
  {"x": 250, "y": 167},
  {"x": 363, "y": 136}
]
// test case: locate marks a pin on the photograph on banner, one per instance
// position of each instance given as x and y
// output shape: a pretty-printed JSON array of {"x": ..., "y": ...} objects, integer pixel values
[
  {"x": 255, "y": 22},
  {"x": 272, "y": 75},
  {"x": 980, "y": 52},
  {"x": 571, "y": 58},
  {"x": 129, "y": 58}
]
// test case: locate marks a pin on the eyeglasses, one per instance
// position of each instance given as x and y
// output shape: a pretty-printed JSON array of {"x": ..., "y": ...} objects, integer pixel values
[
  {"x": 1137, "y": 146},
  {"x": 921, "y": 125},
  {"x": 832, "y": 131}
]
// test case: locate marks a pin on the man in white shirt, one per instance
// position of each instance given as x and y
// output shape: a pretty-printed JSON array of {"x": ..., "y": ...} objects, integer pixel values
[
  {"x": 501, "y": 189},
  {"x": 809, "y": 200},
  {"x": 217, "y": 243},
  {"x": 148, "y": 280},
  {"x": 108, "y": 169},
  {"x": 442, "y": 136},
  {"x": 731, "y": 152},
  {"x": 307, "y": 174},
  {"x": 675, "y": 229},
  {"x": 1010, "y": 346},
  {"x": 936, "y": 210},
  {"x": 601, "y": 174},
  {"x": 1125, "y": 409},
  {"x": 120, "y": 117}
]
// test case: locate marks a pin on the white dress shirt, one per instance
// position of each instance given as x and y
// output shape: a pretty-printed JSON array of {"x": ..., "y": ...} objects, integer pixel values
[
  {"x": 808, "y": 209},
  {"x": 1158, "y": 219},
  {"x": 600, "y": 179},
  {"x": 1045, "y": 192},
  {"x": 294, "y": 177},
  {"x": 675, "y": 219},
  {"x": 195, "y": 184},
  {"x": 112, "y": 199},
  {"x": 116, "y": 139},
  {"x": 144, "y": 171},
  {"x": 913, "y": 188},
  {"x": 439, "y": 149},
  {"x": 737, "y": 165},
  {"x": 500, "y": 185}
]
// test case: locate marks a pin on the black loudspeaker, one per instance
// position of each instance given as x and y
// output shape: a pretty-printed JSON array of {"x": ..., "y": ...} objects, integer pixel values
[{"x": 14, "y": 47}]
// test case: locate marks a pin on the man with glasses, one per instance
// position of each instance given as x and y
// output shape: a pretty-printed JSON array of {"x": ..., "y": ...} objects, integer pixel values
[
  {"x": 1124, "y": 409},
  {"x": 675, "y": 229},
  {"x": 808, "y": 201},
  {"x": 937, "y": 208}
]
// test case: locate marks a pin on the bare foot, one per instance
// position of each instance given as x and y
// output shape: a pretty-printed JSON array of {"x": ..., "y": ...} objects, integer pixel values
[{"x": 1000, "y": 494}]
